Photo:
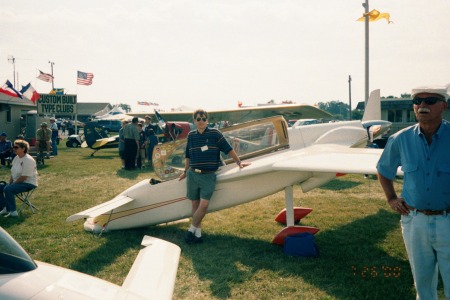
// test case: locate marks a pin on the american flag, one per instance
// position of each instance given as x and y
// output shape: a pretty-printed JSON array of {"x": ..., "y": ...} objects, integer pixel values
[
  {"x": 84, "y": 78},
  {"x": 45, "y": 77}
]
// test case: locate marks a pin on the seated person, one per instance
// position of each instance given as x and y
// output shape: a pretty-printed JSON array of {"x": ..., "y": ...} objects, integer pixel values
[
  {"x": 6, "y": 148},
  {"x": 43, "y": 138},
  {"x": 23, "y": 178}
]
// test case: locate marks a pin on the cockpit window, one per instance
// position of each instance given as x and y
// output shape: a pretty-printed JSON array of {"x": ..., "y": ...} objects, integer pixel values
[
  {"x": 249, "y": 139},
  {"x": 13, "y": 259}
]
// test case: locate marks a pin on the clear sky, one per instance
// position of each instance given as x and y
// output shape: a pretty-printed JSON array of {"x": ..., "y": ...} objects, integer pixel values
[{"x": 212, "y": 54}]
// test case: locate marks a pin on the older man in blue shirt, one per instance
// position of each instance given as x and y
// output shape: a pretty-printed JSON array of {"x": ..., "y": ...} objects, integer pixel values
[{"x": 423, "y": 152}]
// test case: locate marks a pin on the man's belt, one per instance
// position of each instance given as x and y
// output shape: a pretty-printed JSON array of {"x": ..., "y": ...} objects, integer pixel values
[
  {"x": 430, "y": 212},
  {"x": 198, "y": 171}
]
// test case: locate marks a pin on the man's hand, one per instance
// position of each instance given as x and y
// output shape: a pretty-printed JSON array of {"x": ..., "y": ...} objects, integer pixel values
[{"x": 399, "y": 205}]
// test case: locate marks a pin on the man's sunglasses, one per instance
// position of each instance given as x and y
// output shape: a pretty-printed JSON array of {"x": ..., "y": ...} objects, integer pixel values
[
  {"x": 202, "y": 119},
  {"x": 428, "y": 100},
  {"x": 16, "y": 147}
]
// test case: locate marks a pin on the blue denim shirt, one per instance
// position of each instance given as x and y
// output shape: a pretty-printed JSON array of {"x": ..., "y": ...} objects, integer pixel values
[{"x": 426, "y": 167}]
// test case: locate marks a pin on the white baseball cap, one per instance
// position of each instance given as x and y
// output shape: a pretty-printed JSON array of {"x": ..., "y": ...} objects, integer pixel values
[{"x": 431, "y": 89}]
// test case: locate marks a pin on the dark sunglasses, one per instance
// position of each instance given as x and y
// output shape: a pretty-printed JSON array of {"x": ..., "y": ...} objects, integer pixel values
[
  {"x": 203, "y": 119},
  {"x": 16, "y": 147},
  {"x": 428, "y": 100}
]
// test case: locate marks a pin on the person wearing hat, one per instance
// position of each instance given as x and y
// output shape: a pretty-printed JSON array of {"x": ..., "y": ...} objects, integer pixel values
[
  {"x": 43, "y": 136},
  {"x": 6, "y": 148},
  {"x": 55, "y": 131},
  {"x": 422, "y": 151}
]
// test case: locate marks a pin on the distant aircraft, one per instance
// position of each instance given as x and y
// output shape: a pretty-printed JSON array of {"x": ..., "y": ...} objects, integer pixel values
[
  {"x": 152, "y": 275},
  {"x": 240, "y": 115},
  {"x": 97, "y": 139}
]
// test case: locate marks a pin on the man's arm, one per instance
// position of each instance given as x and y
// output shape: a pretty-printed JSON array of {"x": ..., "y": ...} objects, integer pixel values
[
  {"x": 236, "y": 159},
  {"x": 397, "y": 204},
  {"x": 186, "y": 167}
]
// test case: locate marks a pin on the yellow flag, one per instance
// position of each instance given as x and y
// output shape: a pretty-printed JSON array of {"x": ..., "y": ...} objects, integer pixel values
[{"x": 375, "y": 15}]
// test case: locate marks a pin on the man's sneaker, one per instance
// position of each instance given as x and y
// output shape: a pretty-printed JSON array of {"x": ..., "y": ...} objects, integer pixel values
[
  {"x": 189, "y": 237},
  {"x": 12, "y": 214},
  {"x": 4, "y": 211}
]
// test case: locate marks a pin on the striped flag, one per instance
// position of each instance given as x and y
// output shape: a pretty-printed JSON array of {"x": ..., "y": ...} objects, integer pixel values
[
  {"x": 9, "y": 90},
  {"x": 84, "y": 78},
  {"x": 30, "y": 93},
  {"x": 45, "y": 77}
]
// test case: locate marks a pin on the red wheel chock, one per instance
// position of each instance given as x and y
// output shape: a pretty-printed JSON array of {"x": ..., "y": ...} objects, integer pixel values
[{"x": 299, "y": 213}]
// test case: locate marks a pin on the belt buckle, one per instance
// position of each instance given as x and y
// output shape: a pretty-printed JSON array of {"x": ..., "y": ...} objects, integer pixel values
[{"x": 198, "y": 171}]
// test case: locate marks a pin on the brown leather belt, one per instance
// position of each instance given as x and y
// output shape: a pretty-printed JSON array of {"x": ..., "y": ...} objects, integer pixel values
[
  {"x": 198, "y": 171},
  {"x": 429, "y": 212}
]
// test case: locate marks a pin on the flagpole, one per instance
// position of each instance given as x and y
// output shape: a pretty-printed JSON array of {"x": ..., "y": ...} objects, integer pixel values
[
  {"x": 13, "y": 61},
  {"x": 53, "y": 78},
  {"x": 366, "y": 21},
  {"x": 350, "y": 95}
]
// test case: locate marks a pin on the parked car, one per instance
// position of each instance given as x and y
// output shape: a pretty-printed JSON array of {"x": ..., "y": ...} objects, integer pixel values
[{"x": 108, "y": 125}]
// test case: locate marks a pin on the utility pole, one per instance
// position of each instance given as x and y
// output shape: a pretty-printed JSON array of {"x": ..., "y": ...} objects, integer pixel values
[
  {"x": 51, "y": 64},
  {"x": 366, "y": 14},
  {"x": 350, "y": 95},
  {"x": 13, "y": 61}
]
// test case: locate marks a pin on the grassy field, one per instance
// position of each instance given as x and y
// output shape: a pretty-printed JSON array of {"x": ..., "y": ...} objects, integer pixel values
[{"x": 362, "y": 252}]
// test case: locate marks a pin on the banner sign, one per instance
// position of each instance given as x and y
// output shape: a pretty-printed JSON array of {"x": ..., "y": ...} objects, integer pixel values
[{"x": 57, "y": 104}]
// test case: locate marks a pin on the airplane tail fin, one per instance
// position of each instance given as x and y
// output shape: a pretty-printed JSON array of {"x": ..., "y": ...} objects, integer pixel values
[
  {"x": 91, "y": 135},
  {"x": 154, "y": 271},
  {"x": 373, "y": 107},
  {"x": 161, "y": 121}
]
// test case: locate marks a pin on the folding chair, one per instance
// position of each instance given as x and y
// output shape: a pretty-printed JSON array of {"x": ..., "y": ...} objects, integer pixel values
[{"x": 25, "y": 198}]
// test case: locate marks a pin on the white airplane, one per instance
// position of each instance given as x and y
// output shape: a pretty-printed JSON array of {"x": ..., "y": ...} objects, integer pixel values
[
  {"x": 152, "y": 275},
  {"x": 240, "y": 115},
  {"x": 280, "y": 157}
]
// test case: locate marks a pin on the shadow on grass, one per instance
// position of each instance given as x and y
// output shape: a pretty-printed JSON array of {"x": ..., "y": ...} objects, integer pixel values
[
  {"x": 336, "y": 185},
  {"x": 100, "y": 157},
  {"x": 129, "y": 174},
  {"x": 117, "y": 243},
  {"x": 351, "y": 263},
  {"x": 350, "y": 266}
]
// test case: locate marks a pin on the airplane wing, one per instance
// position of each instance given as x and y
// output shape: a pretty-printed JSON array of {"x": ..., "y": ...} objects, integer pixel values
[
  {"x": 154, "y": 271},
  {"x": 102, "y": 142},
  {"x": 241, "y": 115},
  {"x": 101, "y": 208},
  {"x": 332, "y": 159}
]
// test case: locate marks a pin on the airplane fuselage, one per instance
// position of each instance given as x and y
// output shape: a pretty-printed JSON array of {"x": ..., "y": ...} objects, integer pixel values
[{"x": 145, "y": 204}]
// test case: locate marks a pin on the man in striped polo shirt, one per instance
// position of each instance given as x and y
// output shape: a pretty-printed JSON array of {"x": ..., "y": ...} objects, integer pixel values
[{"x": 202, "y": 161}]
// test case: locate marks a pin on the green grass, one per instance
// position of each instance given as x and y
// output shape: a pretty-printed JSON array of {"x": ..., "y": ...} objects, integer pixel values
[{"x": 359, "y": 237}]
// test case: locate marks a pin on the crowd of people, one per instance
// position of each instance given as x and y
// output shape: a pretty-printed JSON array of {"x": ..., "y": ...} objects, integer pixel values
[{"x": 136, "y": 143}]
